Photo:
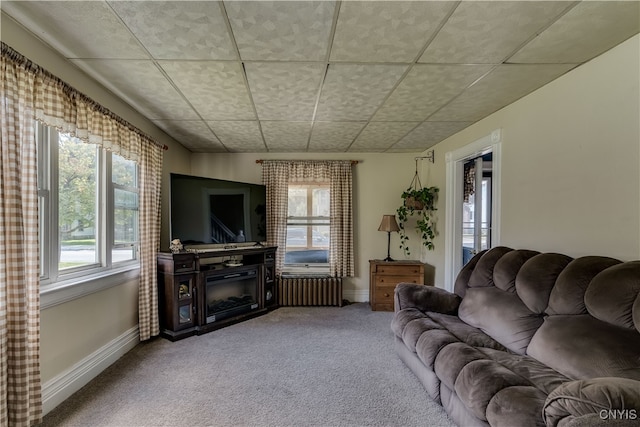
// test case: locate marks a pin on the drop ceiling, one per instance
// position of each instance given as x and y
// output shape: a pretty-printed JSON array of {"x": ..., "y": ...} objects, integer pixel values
[{"x": 324, "y": 76}]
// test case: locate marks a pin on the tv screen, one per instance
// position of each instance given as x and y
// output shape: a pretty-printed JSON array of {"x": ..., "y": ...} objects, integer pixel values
[{"x": 215, "y": 211}]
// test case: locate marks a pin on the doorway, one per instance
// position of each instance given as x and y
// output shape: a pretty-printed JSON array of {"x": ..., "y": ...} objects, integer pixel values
[
  {"x": 472, "y": 202},
  {"x": 476, "y": 205}
]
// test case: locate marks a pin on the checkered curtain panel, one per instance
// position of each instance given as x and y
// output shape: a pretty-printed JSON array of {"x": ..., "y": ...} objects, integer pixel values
[
  {"x": 275, "y": 176},
  {"x": 278, "y": 174},
  {"x": 20, "y": 390}
]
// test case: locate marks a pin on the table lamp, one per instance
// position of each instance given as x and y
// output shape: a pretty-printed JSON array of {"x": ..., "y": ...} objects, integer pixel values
[{"x": 388, "y": 224}]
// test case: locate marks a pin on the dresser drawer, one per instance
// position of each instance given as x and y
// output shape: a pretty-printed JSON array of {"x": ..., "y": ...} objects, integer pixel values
[
  {"x": 394, "y": 280},
  {"x": 398, "y": 270},
  {"x": 384, "y": 295}
]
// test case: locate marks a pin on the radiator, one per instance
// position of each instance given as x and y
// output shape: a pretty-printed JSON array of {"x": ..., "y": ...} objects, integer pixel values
[{"x": 316, "y": 291}]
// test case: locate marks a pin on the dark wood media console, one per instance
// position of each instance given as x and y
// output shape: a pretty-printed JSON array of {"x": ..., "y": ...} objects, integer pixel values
[{"x": 207, "y": 289}]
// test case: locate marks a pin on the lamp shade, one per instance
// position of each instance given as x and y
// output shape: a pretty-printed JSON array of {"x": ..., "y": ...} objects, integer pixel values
[{"x": 388, "y": 224}]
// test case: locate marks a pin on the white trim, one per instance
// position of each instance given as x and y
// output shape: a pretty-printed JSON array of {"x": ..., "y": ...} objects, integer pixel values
[
  {"x": 61, "y": 387},
  {"x": 355, "y": 295},
  {"x": 453, "y": 236},
  {"x": 65, "y": 291}
]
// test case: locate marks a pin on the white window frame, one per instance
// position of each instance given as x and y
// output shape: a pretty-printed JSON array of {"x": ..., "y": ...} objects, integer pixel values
[
  {"x": 57, "y": 287},
  {"x": 308, "y": 221}
]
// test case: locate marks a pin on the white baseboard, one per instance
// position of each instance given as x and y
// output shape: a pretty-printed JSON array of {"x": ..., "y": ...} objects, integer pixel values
[
  {"x": 355, "y": 295},
  {"x": 61, "y": 387}
]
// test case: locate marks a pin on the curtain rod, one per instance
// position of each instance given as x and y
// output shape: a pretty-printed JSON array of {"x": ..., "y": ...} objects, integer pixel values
[{"x": 353, "y": 162}]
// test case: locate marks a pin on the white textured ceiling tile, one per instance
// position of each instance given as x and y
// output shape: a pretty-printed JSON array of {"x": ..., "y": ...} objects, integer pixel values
[
  {"x": 334, "y": 136},
  {"x": 78, "y": 29},
  {"x": 584, "y": 32},
  {"x": 286, "y": 136},
  {"x": 355, "y": 91},
  {"x": 239, "y": 136},
  {"x": 195, "y": 135},
  {"x": 178, "y": 29},
  {"x": 379, "y": 136},
  {"x": 486, "y": 32},
  {"x": 427, "y": 88},
  {"x": 504, "y": 85},
  {"x": 284, "y": 91},
  {"x": 427, "y": 135},
  {"x": 215, "y": 89},
  {"x": 281, "y": 30},
  {"x": 141, "y": 84},
  {"x": 393, "y": 31}
]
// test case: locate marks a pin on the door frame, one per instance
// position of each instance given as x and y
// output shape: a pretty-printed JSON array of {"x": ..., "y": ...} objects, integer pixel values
[{"x": 453, "y": 230}]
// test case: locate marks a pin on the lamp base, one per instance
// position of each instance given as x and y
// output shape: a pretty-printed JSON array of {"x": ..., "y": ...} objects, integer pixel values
[{"x": 387, "y": 259}]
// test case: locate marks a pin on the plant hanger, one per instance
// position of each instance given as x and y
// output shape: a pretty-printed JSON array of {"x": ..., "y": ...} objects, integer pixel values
[{"x": 420, "y": 201}]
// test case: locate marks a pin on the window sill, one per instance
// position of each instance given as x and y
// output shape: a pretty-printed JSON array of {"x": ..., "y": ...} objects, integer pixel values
[{"x": 69, "y": 290}]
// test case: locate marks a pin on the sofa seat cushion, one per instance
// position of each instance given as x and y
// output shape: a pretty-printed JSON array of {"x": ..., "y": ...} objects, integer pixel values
[
  {"x": 582, "y": 347},
  {"x": 431, "y": 342},
  {"x": 464, "y": 332},
  {"x": 517, "y": 406},
  {"x": 452, "y": 358},
  {"x": 402, "y": 317},
  {"x": 479, "y": 381},
  {"x": 415, "y": 328},
  {"x": 540, "y": 375}
]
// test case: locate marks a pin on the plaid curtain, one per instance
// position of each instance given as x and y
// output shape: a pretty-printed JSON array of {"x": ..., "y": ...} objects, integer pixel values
[
  {"x": 277, "y": 174},
  {"x": 20, "y": 390}
]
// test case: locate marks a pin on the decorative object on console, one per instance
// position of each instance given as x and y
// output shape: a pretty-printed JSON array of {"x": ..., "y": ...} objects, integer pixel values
[
  {"x": 420, "y": 201},
  {"x": 388, "y": 224},
  {"x": 176, "y": 246}
]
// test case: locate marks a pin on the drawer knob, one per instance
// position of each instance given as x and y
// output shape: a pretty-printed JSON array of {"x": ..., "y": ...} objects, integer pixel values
[{"x": 386, "y": 294}]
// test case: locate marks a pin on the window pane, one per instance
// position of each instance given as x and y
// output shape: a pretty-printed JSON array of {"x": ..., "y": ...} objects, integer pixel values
[
  {"x": 124, "y": 175},
  {"x": 307, "y": 231},
  {"x": 124, "y": 171},
  {"x": 321, "y": 202},
  {"x": 77, "y": 192},
  {"x": 125, "y": 216},
  {"x": 297, "y": 201}
]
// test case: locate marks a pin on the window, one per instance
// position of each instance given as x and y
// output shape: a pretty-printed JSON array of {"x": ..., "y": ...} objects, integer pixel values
[
  {"x": 308, "y": 228},
  {"x": 88, "y": 207}
]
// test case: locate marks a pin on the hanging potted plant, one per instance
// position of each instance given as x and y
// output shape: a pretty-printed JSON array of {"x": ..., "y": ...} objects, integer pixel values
[{"x": 420, "y": 202}]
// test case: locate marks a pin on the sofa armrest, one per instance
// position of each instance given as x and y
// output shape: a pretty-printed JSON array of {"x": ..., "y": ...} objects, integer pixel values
[
  {"x": 425, "y": 298},
  {"x": 607, "y": 401}
]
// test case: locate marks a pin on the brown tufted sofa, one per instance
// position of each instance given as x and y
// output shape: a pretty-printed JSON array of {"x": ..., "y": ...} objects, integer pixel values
[{"x": 528, "y": 339}]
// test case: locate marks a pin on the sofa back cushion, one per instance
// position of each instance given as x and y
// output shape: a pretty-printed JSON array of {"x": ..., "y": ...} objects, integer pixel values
[
  {"x": 567, "y": 296},
  {"x": 508, "y": 291},
  {"x": 508, "y": 294},
  {"x": 501, "y": 315},
  {"x": 613, "y": 294},
  {"x": 581, "y": 346}
]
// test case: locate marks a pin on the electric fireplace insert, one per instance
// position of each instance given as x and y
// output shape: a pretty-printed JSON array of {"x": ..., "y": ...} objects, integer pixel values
[{"x": 231, "y": 292}]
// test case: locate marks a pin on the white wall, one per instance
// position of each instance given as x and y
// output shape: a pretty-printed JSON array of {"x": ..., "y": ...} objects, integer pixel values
[{"x": 570, "y": 162}]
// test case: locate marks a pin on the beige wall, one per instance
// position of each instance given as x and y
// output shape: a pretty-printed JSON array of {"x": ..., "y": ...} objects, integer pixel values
[
  {"x": 379, "y": 179},
  {"x": 570, "y": 162},
  {"x": 72, "y": 331}
]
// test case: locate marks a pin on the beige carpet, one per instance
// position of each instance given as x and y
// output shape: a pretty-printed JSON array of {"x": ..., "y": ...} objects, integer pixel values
[{"x": 313, "y": 366}]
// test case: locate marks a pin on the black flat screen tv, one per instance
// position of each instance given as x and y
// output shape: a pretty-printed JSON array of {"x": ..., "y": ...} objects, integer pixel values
[{"x": 216, "y": 211}]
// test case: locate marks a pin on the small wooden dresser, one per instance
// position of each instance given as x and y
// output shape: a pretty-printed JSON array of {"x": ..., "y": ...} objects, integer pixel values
[{"x": 385, "y": 275}]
